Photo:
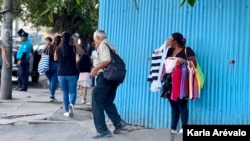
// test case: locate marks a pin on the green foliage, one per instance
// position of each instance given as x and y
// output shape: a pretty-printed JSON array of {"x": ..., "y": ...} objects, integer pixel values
[
  {"x": 190, "y": 2},
  {"x": 78, "y": 1},
  {"x": 63, "y": 15},
  {"x": 182, "y": 2},
  {"x": 60, "y": 15}
]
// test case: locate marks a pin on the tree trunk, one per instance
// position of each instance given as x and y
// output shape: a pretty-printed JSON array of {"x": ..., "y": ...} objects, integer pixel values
[{"x": 6, "y": 77}]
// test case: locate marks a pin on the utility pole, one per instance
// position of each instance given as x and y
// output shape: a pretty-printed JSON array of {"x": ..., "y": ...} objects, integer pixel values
[{"x": 6, "y": 77}]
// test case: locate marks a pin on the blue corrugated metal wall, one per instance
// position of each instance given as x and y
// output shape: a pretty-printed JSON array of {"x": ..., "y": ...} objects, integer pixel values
[{"x": 217, "y": 30}]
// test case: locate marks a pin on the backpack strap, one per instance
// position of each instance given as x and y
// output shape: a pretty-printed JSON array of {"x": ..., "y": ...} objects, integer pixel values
[
  {"x": 186, "y": 52},
  {"x": 111, "y": 50}
]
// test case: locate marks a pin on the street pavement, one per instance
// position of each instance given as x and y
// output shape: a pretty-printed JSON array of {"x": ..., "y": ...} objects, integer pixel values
[{"x": 29, "y": 116}]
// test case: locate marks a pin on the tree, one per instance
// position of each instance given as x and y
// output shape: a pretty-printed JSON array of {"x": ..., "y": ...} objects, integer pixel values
[
  {"x": 190, "y": 2},
  {"x": 60, "y": 15}
]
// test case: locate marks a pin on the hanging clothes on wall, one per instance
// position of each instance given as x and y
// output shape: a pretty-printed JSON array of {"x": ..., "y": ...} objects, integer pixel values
[{"x": 157, "y": 65}]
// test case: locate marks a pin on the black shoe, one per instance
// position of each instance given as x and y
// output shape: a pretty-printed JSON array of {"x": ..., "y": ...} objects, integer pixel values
[
  {"x": 22, "y": 89},
  {"x": 120, "y": 127},
  {"x": 102, "y": 135},
  {"x": 52, "y": 99},
  {"x": 18, "y": 87}
]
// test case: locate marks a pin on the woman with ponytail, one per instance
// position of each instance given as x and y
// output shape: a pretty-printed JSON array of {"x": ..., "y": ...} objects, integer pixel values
[
  {"x": 67, "y": 73},
  {"x": 179, "y": 106}
]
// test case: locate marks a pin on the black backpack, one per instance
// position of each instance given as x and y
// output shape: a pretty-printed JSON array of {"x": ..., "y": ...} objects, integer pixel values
[{"x": 116, "y": 70}]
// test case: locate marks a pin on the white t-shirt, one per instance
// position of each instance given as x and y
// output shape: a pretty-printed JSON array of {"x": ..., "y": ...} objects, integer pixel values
[{"x": 94, "y": 57}]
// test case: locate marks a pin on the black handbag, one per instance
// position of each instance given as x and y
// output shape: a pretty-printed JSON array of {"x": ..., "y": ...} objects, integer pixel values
[{"x": 116, "y": 70}]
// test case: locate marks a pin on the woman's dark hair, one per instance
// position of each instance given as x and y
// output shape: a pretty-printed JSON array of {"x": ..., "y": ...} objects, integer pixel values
[
  {"x": 56, "y": 43},
  {"x": 66, "y": 37},
  {"x": 57, "y": 40},
  {"x": 49, "y": 39},
  {"x": 179, "y": 38},
  {"x": 65, "y": 46}
]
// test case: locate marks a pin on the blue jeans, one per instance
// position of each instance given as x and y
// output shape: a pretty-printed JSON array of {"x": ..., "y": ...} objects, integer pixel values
[
  {"x": 52, "y": 77},
  {"x": 23, "y": 74},
  {"x": 179, "y": 109},
  {"x": 68, "y": 84}
]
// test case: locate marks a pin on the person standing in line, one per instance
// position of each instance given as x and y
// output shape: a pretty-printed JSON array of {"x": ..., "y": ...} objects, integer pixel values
[
  {"x": 77, "y": 47},
  {"x": 104, "y": 91},
  {"x": 67, "y": 73},
  {"x": 51, "y": 74},
  {"x": 23, "y": 56},
  {"x": 179, "y": 108},
  {"x": 3, "y": 54},
  {"x": 84, "y": 80},
  {"x": 91, "y": 51}
]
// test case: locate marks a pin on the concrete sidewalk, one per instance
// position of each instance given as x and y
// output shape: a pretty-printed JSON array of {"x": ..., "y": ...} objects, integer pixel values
[{"x": 29, "y": 116}]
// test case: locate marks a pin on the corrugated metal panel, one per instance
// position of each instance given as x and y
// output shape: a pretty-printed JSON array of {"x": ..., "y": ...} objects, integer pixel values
[{"x": 217, "y": 30}]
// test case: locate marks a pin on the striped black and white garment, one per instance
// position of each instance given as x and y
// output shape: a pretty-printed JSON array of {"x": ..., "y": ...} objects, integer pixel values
[{"x": 157, "y": 63}]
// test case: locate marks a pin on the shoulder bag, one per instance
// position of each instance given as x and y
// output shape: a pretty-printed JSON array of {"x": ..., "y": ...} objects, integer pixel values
[
  {"x": 200, "y": 74},
  {"x": 43, "y": 65},
  {"x": 116, "y": 70}
]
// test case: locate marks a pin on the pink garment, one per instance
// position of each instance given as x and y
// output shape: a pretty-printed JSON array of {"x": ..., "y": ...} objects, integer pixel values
[
  {"x": 190, "y": 79},
  {"x": 170, "y": 64},
  {"x": 163, "y": 72},
  {"x": 84, "y": 76}
]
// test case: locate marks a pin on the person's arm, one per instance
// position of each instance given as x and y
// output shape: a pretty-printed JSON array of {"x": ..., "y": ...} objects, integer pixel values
[
  {"x": 79, "y": 49},
  {"x": 191, "y": 55},
  {"x": 16, "y": 47},
  {"x": 193, "y": 59},
  {"x": 102, "y": 65},
  {"x": 104, "y": 54},
  {"x": 23, "y": 58},
  {"x": 55, "y": 55},
  {"x": 5, "y": 55}
]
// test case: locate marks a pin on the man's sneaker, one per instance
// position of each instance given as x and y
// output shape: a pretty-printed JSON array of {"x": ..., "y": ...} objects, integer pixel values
[
  {"x": 66, "y": 114},
  {"x": 120, "y": 127},
  {"x": 71, "y": 110},
  {"x": 102, "y": 135},
  {"x": 180, "y": 131},
  {"x": 52, "y": 99}
]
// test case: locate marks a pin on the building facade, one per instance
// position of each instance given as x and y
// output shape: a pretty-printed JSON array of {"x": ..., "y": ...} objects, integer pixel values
[{"x": 217, "y": 30}]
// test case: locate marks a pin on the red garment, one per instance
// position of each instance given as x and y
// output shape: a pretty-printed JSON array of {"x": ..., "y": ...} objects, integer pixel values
[{"x": 176, "y": 82}]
